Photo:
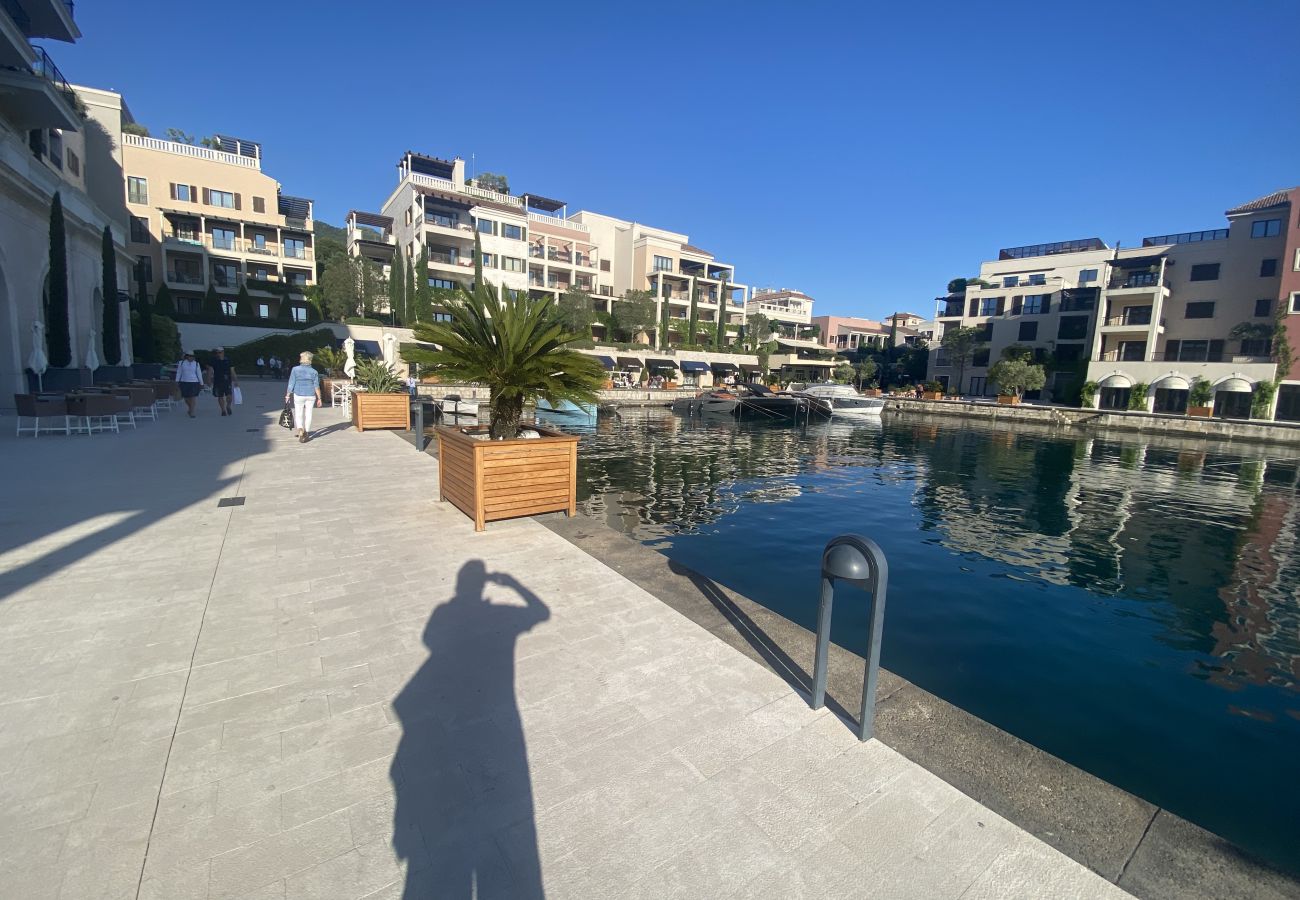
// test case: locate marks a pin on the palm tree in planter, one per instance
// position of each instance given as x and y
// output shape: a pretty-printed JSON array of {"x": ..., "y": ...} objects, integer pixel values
[
  {"x": 517, "y": 346},
  {"x": 384, "y": 402}
]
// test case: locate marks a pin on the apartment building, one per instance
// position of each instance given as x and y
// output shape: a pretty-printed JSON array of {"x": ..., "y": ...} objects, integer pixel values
[
  {"x": 531, "y": 243},
  {"x": 847, "y": 334},
  {"x": 788, "y": 312},
  {"x": 210, "y": 217},
  {"x": 912, "y": 328},
  {"x": 1182, "y": 306},
  {"x": 54, "y": 139}
]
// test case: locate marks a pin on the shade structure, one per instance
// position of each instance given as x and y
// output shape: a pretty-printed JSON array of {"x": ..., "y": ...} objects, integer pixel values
[
  {"x": 690, "y": 365},
  {"x": 661, "y": 365},
  {"x": 629, "y": 362},
  {"x": 725, "y": 368},
  {"x": 1118, "y": 380},
  {"x": 1234, "y": 385},
  {"x": 606, "y": 361},
  {"x": 1172, "y": 383}
]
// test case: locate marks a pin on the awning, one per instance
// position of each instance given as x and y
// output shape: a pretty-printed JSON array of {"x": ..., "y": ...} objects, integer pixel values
[
  {"x": 751, "y": 367},
  {"x": 725, "y": 368},
  {"x": 629, "y": 362},
  {"x": 690, "y": 365},
  {"x": 1235, "y": 386},
  {"x": 661, "y": 364},
  {"x": 606, "y": 361},
  {"x": 368, "y": 348},
  {"x": 1116, "y": 381},
  {"x": 1172, "y": 383}
]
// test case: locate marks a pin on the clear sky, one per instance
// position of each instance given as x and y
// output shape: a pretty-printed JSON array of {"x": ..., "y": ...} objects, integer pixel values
[{"x": 864, "y": 153}]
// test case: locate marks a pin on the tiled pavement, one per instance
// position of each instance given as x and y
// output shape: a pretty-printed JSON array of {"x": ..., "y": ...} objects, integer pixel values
[{"x": 338, "y": 690}]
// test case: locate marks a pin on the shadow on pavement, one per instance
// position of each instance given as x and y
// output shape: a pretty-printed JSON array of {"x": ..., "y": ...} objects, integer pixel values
[{"x": 464, "y": 818}]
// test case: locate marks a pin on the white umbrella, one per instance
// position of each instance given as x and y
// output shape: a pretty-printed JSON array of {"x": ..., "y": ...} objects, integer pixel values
[
  {"x": 350, "y": 367},
  {"x": 38, "y": 362},
  {"x": 92, "y": 358},
  {"x": 390, "y": 348}
]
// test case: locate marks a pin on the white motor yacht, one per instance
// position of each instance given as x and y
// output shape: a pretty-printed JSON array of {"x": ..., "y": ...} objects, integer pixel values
[{"x": 845, "y": 401}]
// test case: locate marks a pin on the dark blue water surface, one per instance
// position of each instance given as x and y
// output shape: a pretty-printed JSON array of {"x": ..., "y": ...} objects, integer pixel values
[{"x": 1128, "y": 605}]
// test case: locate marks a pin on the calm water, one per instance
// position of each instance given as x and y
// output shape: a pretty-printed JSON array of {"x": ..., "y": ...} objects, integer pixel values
[{"x": 1129, "y": 606}]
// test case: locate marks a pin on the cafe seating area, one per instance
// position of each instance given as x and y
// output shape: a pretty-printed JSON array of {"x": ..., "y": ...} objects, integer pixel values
[{"x": 94, "y": 409}]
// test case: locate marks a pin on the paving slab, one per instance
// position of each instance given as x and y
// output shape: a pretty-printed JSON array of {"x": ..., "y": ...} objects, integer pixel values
[{"x": 339, "y": 690}]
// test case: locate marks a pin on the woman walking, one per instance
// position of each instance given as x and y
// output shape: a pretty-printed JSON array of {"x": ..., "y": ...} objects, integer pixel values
[
  {"x": 304, "y": 387},
  {"x": 189, "y": 375}
]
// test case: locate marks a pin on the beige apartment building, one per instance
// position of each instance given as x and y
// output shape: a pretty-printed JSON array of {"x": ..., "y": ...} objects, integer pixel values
[
  {"x": 203, "y": 217},
  {"x": 1182, "y": 306},
  {"x": 531, "y": 243},
  {"x": 54, "y": 138}
]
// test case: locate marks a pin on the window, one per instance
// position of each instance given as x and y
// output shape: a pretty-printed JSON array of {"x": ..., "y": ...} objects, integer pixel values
[
  {"x": 1028, "y": 331},
  {"x": 259, "y": 205},
  {"x": 298, "y": 279},
  {"x": 489, "y": 260},
  {"x": 1263, "y": 307},
  {"x": 1032, "y": 305},
  {"x": 441, "y": 219},
  {"x": 1256, "y": 347},
  {"x": 261, "y": 273},
  {"x": 1205, "y": 272},
  {"x": 487, "y": 226},
  {"x": 1072, "y": 328},
  {"x": 604, "y": 265},
  {"x": 1011, "y": 281},
  {"x": 663, "y": 264},
  {"x": 1295, "y": 303},
  {"x": 1039, "y": 278},
  {"x": 182, "y": 192},
  {"x": 980, "y": 358},
  {"x": 74, "y": 163},
  {"x": 1201, "y": 309},
  {"x": 137, "y": 189},
  {"x": 56, "y": 148},
  {"x": 139, "y": 230},
  {"x": 263, "y": 311},
  {"x": 229, "y": 307},
  {"x": 299, "y": 313},
  {"x": 512, "y": 264},
  {"x": 989, "y": 306},
  {"x": 295, "y": 248},
  {"x": 1267, "y": 268},
  {"x": 144, "y": 269},
  {"x": 1069, "y": 352},
  {"x": 514, "y": 232},
  {"x": 223, "y": 239},
  {"x": 1132, "y": 351},
  {"x": 444, "y": 283},
  {"x": 941, "y": 358},
  {"x": 221, "y": 198},
  {"x": 986, "y": 333},
  {"x": 223, "y": 274},
  {"x": 1266, "y": 228},
  {"x": 1087, "y": 276}
]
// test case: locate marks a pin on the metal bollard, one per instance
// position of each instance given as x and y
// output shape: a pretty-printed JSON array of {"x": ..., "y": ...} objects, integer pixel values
[
  {"x": 860, "y": 561},
  {"x": 417, "y": 422}
]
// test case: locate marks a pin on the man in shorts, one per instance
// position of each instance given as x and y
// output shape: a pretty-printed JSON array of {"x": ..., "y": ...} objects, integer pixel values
[{"x": 224, "y": 380}]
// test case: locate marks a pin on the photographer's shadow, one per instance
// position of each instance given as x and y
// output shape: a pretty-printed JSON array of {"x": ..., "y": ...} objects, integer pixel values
[{"x": 464, "y": 816}]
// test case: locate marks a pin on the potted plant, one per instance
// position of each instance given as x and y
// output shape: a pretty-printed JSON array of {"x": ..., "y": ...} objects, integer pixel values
[
  {"x": 383, "y": 401},
  {"x": 933, "y": 390},
  {"x": 1137, "y": 397},
  {"x": 1014, "y": 375},
  {"x": 1088, "y": 393},
  {"x": 518, "y": 347},
  {"x": 1198, "y": 399},
  {"x": 670, "y": 379},
  {"x": 872, "y": 389}
]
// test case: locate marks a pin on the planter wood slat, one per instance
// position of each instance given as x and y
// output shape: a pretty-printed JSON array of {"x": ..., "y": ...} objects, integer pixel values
[
  {"x": 381, "y": 410},
  {"x": 491, "y": 480}
]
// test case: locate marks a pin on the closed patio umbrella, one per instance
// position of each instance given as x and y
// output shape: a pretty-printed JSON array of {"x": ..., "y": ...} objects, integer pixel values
[
  {"x": 92, "y": 358},
  {"x": 38, "y": 362}
]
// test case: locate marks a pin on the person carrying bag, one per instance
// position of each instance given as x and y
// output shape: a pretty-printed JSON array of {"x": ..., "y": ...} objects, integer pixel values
[{"x": 304, "y": 387}]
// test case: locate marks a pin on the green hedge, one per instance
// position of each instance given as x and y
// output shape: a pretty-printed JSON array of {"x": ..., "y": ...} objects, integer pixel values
[{"x": 286, "y": 346}]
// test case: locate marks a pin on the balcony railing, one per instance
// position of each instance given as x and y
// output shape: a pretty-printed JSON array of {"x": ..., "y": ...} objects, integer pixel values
[
  {"x": 558, "y": 222},
  {"x": 559, "y": 255},
  {"x": 45, "y": 68},
  {"x": 234, "y": 159},
  {"x": 184, "y": 238},
  {"x": 185, "y": 277},
  {"x": 1125, "y": 280},
  {"x": 1133, "y": 317}
]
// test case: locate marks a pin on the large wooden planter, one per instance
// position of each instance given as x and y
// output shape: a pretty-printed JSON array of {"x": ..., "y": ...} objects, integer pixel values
[
  {"x": 1203, "y": 412},
  {"x": 381, "y": 410},
  {"x": 932, "y": 395},
  {"x": 1008, "y": 399},
  {"x": 490, "y": 480}
]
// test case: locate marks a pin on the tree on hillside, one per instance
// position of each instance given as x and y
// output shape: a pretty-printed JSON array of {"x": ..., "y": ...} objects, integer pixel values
[
  {"x": 58, "y": 340},
  {"x": 111, "y": 324},
  {"x": 960, "y": 345},
  {"x": 576, "y": 311}
]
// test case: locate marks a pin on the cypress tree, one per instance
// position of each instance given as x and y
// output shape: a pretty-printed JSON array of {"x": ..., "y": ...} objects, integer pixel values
[
  {"x": 663, "y": 323},
  {"x": 112, "y": 320},
  {"x": 285, "y": 312},
  {"x": 720, "y": 332},
  {"x": 57, "y": 339},
  {"x": 423, "y": 293},
  {"x": 693, "y": 323},
  {"x": 144, "y": 345},
  {"x": 211, "y": 306},
  {"x": 397, "y": 298},
  {"x": 243, "y": 304},
  {"x": 163, "y": 304}
]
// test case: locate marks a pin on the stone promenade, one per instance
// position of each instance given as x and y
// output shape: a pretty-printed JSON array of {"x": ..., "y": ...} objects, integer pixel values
[{"x": 335, "y": 689}]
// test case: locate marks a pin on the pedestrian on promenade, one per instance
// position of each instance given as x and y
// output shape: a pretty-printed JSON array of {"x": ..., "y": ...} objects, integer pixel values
[
  {"x": 224, "y": 380},
  {"x": 304, "y": 386},
  {"x": 275, "y": 366},
  {"x": 189, "y": 375},
  {"x": 261, "y": 367}
]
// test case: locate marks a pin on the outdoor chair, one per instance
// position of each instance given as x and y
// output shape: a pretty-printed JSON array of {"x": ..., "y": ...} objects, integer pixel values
[
  {"x": 36, "y": 408},
  {"x": 164, "y": 393},
  {"x": 98, "y": 412},
  {"x": 143, "y": 401}
]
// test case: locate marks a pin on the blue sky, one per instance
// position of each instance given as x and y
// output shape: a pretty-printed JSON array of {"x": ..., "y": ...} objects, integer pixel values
[{"x": 862, "y": 155}]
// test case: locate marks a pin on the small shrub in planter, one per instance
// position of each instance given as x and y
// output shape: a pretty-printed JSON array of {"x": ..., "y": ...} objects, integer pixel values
[
  {"x": 1198, "y": 399},
  {"x": 384, "y": 402}
]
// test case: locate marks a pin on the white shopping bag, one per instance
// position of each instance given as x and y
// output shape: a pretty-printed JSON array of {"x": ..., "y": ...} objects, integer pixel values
[{"x": 237, "y": 395}]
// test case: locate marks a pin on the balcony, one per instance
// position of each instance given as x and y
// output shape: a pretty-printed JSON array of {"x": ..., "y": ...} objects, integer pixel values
[
  {"x": 185, "y": 278},
  {"x": 44, "y": 19},
  {"x": 186, "y": 240},
  {"x": 179, "y": 149},
  {"x": 1135, "y": 316},
  {"x": 39, "y": 96},
  {"x": 1139, "y": 281}
]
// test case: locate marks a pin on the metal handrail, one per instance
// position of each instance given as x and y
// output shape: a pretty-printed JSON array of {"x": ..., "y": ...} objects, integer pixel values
[{"x": 857, "y": 560}]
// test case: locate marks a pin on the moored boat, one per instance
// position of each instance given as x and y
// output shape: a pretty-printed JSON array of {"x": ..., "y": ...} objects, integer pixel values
[{"x": 844, "y": 400}]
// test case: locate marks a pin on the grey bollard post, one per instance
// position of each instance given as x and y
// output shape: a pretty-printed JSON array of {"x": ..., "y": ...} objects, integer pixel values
[
  {"x": 859, "y": 561},
  {"x": 417, "y": 421}
]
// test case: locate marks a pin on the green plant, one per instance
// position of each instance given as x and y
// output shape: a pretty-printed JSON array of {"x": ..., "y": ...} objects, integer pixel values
[
  {"x": 1137, "y": 396},
  {"x": 516, "y": 345},
  {"x": 141, "y": 337},
  {"x": 1199, "y": 393},
  {"x": 330, "y": 360},
  {"x": 163, "y": 305},
  {"x": 933, "y": 387},
  {"x": 166, "y": 340},
  {"x": 362, "y": 320},
  {"x": 375, "y": 376},
  {"x": 1261, "y": 400},
  {"x": 286, "y": 346},
  {"x": 1088, "y": 392},
  {"x": 211, "y": 305},
  {"x": 135, "y": 128},
  {"x": 960, "y": 344},
  {"x": 1015, "y": 375},
  {"x": 111, "y": 324},
  {"x": 693, "y": 320},
  {"x": 1282, "y": 352},
  {"x": 57, "y": 337},
  {"x": 244, "y": 304},
  {"x": 843, "y": 373}
]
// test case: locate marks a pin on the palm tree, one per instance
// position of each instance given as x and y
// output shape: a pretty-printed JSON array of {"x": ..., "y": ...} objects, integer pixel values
[{"x": 514, "y": 344}]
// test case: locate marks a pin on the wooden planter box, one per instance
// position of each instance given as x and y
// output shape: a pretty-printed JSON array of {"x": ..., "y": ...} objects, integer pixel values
[
  {"x": 490, "y": 480},
  {"x": 381, "y": 410},
  {"x": 932, "y": 395},
  {"x": 1008, "y": 399},
  {"x": 872, "y": 392},
  {"x": 1204, "y": 412}
]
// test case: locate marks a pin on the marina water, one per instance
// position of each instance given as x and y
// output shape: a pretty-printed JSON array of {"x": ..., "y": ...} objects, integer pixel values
[{"x": 1127, "y": 604}]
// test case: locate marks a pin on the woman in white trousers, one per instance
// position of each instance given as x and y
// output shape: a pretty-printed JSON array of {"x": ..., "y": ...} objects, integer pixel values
[{"x": 304, "y": 388}]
